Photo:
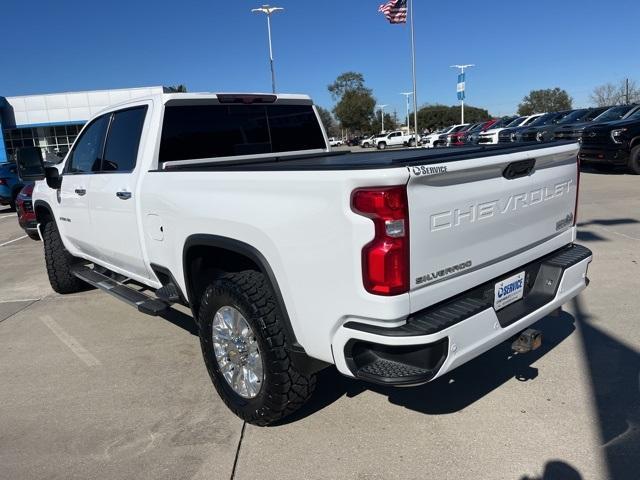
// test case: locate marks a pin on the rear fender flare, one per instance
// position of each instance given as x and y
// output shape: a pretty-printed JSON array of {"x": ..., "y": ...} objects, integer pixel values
[{"x": 250, "y": 252}]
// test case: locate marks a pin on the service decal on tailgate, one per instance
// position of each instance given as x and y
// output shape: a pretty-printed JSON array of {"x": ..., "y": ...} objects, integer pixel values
[{"x": 423, "y": 170}]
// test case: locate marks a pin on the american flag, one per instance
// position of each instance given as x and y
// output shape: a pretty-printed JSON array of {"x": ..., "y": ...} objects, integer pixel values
[{"x": 395, "y": 11}]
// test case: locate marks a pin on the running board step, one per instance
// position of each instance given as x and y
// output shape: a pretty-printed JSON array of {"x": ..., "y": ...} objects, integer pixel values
[
  {"x": 144, "y": 303},
  {"x": 169, "y": 293}
]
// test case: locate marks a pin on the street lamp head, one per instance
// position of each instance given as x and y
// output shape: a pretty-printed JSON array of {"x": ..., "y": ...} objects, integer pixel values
[{"x": 266, "y": 9}]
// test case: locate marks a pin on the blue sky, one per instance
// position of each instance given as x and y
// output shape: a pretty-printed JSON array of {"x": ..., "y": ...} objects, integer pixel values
[{"x": 220, "y": 46}]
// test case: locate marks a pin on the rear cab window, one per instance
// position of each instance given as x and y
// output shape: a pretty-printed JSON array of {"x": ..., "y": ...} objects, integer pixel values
[
  {"x": 209, "y": 131},
  {"x": 123, "y": 140}
]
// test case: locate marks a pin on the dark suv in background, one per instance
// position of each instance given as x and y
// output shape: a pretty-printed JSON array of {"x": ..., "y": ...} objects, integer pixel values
[
  {"x": 546, "y": 132},
  {"x": 613, "y": 114},
  {"x": 548, "y": 119},
  {"x": 613, "y": 143}
]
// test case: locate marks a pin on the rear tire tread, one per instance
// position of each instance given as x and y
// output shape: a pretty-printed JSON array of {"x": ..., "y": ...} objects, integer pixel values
[{"x": 287, "y": 389}]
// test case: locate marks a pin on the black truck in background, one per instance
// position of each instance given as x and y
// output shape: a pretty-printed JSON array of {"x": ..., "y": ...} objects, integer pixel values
[{"x": 613, "y": 144}]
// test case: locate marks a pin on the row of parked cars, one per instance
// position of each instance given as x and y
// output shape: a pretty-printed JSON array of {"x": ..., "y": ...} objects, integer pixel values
[
  {"x": 540, "y": 127},
  {"x": 608, "y": 135}
]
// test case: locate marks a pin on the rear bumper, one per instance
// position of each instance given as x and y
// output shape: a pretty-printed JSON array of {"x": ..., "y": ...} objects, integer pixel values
[
  {"x": 605, "y": 154},
  {"x": 439, "y": 339}
]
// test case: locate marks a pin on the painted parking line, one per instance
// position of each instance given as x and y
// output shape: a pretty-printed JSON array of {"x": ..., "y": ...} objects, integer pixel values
[
  {"x": 14, "y": 240},
  {"x": 73, "y": 344},
  {"x": 8, "y": 215},
  {"x": 21, "y": 300}
]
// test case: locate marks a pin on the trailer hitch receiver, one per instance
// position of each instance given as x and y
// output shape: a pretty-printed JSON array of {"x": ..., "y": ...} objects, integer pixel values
[{"x": 527, "y": 341}]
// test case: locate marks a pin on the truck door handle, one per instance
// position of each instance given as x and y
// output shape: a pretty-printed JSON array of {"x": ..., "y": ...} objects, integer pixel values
[
  {"x": 123, "y": 195},
  {"x": 80, "y": 191}
]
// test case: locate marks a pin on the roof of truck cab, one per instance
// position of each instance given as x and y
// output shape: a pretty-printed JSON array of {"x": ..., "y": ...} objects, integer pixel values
[{"x": 204, "y": 96}]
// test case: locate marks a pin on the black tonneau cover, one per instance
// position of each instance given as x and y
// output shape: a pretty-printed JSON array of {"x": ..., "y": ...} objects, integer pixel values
[{"x": 365, "y": 160}]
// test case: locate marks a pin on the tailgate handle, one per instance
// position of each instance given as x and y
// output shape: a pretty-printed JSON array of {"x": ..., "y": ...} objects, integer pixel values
[{"x": 519, "y": 169}]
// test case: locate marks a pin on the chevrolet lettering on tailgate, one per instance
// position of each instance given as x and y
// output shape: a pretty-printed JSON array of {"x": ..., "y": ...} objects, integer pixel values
[{"x": 486, "y": 210}]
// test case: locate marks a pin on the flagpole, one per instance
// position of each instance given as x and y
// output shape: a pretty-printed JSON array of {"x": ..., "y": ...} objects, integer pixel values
[{"x": 413, "y": 65}]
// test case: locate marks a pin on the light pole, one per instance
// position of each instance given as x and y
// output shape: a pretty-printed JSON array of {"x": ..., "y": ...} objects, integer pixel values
[
  {"x": 462, "y": 67},
  {"x": 407, "y": 95},
  {"x": 381, "y": 107},
  {"x": 268, "y": 10}
]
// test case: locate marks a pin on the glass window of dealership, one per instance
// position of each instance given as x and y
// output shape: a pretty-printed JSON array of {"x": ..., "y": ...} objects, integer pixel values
[{"x": 53, "y": 121}]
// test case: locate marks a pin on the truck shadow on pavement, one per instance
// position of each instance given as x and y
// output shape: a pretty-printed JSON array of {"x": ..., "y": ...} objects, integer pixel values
[
  {"x": 455, "y": 390},
  {"x": 614, "y": 371},
  {"x": 586, "y": 235},
  {"x": 612, "y": 367}
]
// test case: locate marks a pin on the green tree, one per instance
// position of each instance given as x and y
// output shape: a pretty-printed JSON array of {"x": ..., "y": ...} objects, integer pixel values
[
  {"x": 548, "y": 100},
  {"x": 328, "y": 121},
  {"x": 355, "y": 110},
  {"x": 390, "y": 123},
  {"x": 435, "y": 117},
  {"x": 347, "y": 82},
  {"x": 355, "y": 103}
]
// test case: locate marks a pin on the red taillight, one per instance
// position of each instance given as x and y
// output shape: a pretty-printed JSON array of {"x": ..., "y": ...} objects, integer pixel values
[
  {"x": 385, "y": 260},
  {"x": 575, "y": 210},
  {"x": 3, "y": 181}
]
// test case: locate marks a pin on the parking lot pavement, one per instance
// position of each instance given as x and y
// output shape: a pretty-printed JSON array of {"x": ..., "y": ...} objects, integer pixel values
[{"x": 93, "y": 389}]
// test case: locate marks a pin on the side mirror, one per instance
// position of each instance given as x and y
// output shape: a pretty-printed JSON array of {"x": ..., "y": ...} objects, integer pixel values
[
  {"x": 31, "y": 168},
  {"x": 30, "y": 164},
  {"x": 53, "y": 177}
]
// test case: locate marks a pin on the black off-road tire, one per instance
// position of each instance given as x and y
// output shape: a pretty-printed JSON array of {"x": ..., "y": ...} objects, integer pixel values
[
  {"x": 284, "y": 389},
  {"x": 634, "y": 160},
  {"x": 59, "y": 262}
]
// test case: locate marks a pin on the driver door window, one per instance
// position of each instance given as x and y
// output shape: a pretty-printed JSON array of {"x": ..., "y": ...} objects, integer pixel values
[{"x": 86, "y": 155}]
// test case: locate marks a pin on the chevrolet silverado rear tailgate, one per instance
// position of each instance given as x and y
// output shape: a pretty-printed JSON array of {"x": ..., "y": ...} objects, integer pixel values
[{"x": 468, "y": 215}]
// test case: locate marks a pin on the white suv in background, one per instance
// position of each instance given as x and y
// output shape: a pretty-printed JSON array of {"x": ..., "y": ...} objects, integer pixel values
[
  {"x": 492, "y": 136},
  {"x": 433, "y": 140}
]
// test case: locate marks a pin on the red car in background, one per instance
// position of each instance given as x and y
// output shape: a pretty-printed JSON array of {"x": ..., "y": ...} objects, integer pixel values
[
  {"x": 466, "y": 135},
  {"x": 459, "y": 138},
  {"x": 26, "y": 214},
  {"x": 472, "y": 135}
]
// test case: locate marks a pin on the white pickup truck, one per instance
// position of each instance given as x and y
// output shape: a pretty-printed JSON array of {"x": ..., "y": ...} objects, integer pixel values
[
  {"x": 394, "y": 139},
  {"x": 395, "y": 267}
]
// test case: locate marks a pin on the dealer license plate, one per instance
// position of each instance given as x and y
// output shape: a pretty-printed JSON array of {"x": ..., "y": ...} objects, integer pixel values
[{"x": 508, "y": 291}]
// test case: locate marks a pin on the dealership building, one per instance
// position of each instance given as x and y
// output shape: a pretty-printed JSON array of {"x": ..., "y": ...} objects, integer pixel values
[{"x": 52, "y": 121}]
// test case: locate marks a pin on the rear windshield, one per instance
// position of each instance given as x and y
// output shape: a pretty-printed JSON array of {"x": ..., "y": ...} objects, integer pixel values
[{"x": 192, "y": 132}]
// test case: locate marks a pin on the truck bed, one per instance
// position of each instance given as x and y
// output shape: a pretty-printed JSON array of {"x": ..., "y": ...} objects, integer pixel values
[{"x": 364, "y": 160}]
